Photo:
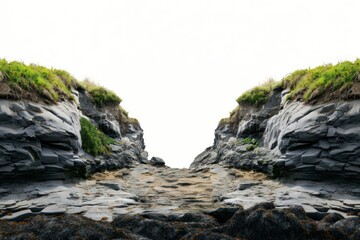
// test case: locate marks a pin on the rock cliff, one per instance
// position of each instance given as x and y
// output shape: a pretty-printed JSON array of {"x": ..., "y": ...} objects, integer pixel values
[
  {"x": 287, "y": 134},
  {"x": 41, "y": 138}
]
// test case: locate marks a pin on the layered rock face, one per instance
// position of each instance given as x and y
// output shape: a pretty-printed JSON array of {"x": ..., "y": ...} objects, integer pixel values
[
  {"x": 38, "y": 138},
  {"x": 290, "y": 138},
  {"x": 109, "y": 119},
  {"x": 43, "y": 140}
]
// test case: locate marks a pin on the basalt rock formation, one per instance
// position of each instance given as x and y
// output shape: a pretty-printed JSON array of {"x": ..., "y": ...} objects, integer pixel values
[
  {"x": 285, "y": 135},
  {"x": 41, "y": 139}
]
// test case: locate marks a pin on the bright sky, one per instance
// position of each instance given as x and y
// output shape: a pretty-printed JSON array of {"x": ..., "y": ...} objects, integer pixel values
[{"x": 179, "y": 65}]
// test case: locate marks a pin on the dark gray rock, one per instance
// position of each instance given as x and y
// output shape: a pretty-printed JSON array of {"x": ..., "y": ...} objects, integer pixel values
[
  {"x": 43, "y": 141},
  {"x": 18, "y": 216},
  {"x": 246, "y": 185},
  {"x": 311, "y": 156},
  {"x": 49, "y": 157},
  {"x": 111, "y": 185},
  {"x": 156, "y": 161},
  {"x": 315, "y": 141}
]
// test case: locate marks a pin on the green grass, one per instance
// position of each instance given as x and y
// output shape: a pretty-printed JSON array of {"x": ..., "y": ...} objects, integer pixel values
[
  {"x": 258, "y": 95},
  {"x": 37, "y": 82},
  {"x": 250, "y": 141},
  {"x": 324, "y": 83},
  {"x": 94, "y": 142},
  {"x": 100, "y": 95}
]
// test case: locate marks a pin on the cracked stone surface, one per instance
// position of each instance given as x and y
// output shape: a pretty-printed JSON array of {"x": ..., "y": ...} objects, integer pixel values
[{"x": 147, "y": 189}]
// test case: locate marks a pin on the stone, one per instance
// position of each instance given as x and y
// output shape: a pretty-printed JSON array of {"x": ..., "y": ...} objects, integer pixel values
[
  {"x": 49, "y": 157},
  {"x": 111, "y": 185},
  {"x": 53, "y": 210},
  {"x": 324, "y": 145},
  {"x": 222, "y": 215},
  {"x": 156, "y": 161},
  {"x": 344, "y": 152},
  {"x": 312, "y": 213},
  {"x": 310, "y": 156},
  {"x": 351, "y": 202},
  {"x": 331, "y": 132},
  {"x": 352, "y": 168},
  {"x": 246, "y": 185},
  {"x": 7, "y": 203},
  {"x": 18, "y": 216},
  {"x": 331, "y": 165}
]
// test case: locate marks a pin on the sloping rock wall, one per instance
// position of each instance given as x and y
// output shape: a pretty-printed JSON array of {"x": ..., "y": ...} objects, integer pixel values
[
  {"x": 43, "y": 141},
  {"x": 292, "y": 138},
  {"x": 38, "y": 138},
  {"x": 317, "y": 139}
]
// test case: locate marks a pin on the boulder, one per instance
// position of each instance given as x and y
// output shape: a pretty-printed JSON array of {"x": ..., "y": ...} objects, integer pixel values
[{"x": 158, "y": 162}]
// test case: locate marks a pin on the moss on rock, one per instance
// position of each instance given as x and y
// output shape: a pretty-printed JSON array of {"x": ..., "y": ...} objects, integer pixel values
[{"x": 94, "y": 142}]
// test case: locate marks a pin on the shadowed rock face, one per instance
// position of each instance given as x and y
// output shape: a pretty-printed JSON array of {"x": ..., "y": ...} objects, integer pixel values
[
  {"x": 295, "y": 139},
  {"x": 38, "y": 138},
  {"x": 262, "y": 221}
]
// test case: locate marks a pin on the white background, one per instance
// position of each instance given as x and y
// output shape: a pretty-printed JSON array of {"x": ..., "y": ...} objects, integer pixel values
[{"x": 179, "y": 65}]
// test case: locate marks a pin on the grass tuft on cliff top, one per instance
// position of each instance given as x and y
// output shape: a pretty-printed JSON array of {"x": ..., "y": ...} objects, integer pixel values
[
  {"x": 314, "y": 85},
  {"x": 322, "y": 83},
  {"x": 325, "y": 83},
  {"x": 94, "y": 141},
  {"x": 259, "y": 94},
  {"x": 34, "y": 82},
  {"x": 100, "y": 95}
]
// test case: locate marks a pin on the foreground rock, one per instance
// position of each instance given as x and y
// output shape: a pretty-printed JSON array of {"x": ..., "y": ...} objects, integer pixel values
[
  {"x": 262, "y": 221},
  {"x": 154, "y": 191}
]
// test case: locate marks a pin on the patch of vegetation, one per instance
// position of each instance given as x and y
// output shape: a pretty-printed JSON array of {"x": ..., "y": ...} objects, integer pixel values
[
  {"x": 325, "y": 83},
  {"x": 322, "y": 83},
  {"x": 94, "y": 142},
  {"x": 35, "y": 82},
  {"x": 100, "y": 95},
  {"x": 250, "y": 141},
  {"x": 258, "y": 95}
]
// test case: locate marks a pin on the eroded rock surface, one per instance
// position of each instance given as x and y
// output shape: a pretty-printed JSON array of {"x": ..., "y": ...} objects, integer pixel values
[
  {"x": 147, "y": 202},
  {"x": 42, "y": 141},
  {"x": 293, "y": 139},
  {"x": 150, "y": 190}
]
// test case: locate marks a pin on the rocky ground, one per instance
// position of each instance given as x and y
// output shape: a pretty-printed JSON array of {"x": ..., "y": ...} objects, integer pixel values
[{"x": 167, "y": 195}]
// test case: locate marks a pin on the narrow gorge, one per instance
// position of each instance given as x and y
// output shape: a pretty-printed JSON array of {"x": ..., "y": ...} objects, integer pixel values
[{"x": 284, "y": 165}]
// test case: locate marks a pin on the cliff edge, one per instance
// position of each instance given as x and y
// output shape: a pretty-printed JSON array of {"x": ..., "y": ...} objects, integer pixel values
[
  {"x": 54, "y": 127},
  {"x": 306, "y": 126}
]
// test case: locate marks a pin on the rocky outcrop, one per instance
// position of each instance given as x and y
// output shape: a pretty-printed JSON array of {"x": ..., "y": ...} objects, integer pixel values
[
  {"x": 43, "y": 141},
  {"x": 38, "y": 139},
  {"x": 262, "y": 221},
  {"x": 316, "y": 140},
  {"x": 304, "y": 141},
  {"x": 110, "y": 119}
]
